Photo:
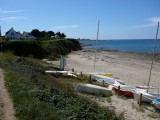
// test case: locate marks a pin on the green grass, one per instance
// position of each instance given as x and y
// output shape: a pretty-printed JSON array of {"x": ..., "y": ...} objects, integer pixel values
[
  {"x": 37, "y": 96},
  {"x": 108, "y": 99},
  {"x": 138, "y": 108},
  {"x": 27, "y": 108},
  {"x": 153, "y": 115}
]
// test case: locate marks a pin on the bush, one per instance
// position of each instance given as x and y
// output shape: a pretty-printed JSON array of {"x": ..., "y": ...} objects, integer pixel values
[{"x": 41, "y": 49}]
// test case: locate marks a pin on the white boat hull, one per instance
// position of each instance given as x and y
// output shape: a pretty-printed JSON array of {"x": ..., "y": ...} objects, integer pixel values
[
  {"x": 107, "y": 80},
  {"x": 93, "y": 89},
  {"x": 68, "y": 73},
  {"x": 146, "y": 97},
  {"x": 156, "y": 103}
]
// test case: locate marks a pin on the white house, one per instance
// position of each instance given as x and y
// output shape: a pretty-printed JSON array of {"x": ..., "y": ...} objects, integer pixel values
[
  {"x": 13, "y": 35},
  {"x": 28, "y": 36}
]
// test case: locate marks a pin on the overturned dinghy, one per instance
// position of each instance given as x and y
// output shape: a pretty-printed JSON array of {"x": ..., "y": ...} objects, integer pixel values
[
  {"x": 68, "y": 73},
  {"x": 156, "y": 103},
  {"x": 107, "y": 80},
  {"x": 123, "y": 90},
  {"x": 146, "y": 97},
  {"x": 93, "y": 89}
]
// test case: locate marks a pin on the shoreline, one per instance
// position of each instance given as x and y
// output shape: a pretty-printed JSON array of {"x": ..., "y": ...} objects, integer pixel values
[
  {"x": 116, "y": 50},
  {"x": 147, "y": 55}
]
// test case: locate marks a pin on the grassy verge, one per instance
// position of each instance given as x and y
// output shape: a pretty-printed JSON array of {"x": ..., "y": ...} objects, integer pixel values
[{"x": 37, "y": 96}]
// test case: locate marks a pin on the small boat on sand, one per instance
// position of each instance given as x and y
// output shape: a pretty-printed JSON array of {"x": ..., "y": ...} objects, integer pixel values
[
  {"x": 124, "y": 90},
  {"x": 146, "y": 97},
  {"x": 106, "y": 74},
  {"x": 107, "y": 80},
  {"x": 68, "y": 73},
  {"x": 145, "y": 87},
  {"x": 156, "y": 103},
  {"x": 51, "y": 71},
  {"x": 92, "y": 89}
]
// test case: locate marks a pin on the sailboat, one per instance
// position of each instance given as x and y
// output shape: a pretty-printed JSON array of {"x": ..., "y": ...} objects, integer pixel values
[
  {"x": 99, "y": 77},
  {"x": 146, "y": 96}
]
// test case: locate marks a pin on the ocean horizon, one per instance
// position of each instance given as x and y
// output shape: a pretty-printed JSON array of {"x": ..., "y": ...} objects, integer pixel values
[{"x": 124, "y": 45}]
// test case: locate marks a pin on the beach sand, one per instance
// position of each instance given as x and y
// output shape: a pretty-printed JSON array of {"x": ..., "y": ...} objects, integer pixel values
[{"x": 132, "y": 68}]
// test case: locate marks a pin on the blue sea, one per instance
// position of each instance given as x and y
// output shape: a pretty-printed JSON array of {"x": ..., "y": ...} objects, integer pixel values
[{"x": 127, "y": 45}]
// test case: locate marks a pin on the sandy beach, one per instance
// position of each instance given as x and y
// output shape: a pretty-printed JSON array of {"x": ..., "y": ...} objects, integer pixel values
[{"x": 132, "y": 68}]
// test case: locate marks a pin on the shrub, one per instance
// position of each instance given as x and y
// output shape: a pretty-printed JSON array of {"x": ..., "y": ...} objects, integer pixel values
[{"x": 40, "y": 49}]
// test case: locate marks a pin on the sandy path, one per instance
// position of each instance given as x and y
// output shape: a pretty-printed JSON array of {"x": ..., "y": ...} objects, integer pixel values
[{"x": 6, "y": 105}]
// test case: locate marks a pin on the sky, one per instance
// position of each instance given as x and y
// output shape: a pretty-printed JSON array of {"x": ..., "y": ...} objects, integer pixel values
[{"x": 119, "y": 19}]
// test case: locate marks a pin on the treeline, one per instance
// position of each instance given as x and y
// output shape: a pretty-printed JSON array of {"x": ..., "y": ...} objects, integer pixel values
[
  {"x": 46, "y": 34},
  {"x": 41, "y": 49}
]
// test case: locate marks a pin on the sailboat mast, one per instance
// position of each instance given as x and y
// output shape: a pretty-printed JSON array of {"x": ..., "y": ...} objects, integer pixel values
[
  {"x": 153, "y": 55},
  {"x": 96, "y": 46}
]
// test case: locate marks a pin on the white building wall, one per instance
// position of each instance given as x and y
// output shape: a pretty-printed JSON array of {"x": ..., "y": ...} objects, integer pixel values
[{"x": 13, "y": 35}]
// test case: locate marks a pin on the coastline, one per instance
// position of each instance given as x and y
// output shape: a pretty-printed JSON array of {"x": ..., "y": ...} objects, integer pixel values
[
  {"x": 124, "y": 45},
  {"x": 116, "y": 50},
  {"x": 147, "y": 55}
]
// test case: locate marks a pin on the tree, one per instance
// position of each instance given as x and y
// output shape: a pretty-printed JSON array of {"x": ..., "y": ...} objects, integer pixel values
[
  {"x": 50, "y": 33},
  {"x": 43, "y": 34},
  {"x": 60, "y": 35},
  {"x": 46, "y": 34},
  {"x": 63, "y": 35},
  {"x": 35, "y": 33}
]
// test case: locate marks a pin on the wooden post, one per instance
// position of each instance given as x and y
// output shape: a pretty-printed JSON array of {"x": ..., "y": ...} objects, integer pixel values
[
  {"x": 119, "y": 88},
  {"x": 90, "y": 81},
  {"x": 81, "y": 74},
  {"x": 1, "y": 48},
  {"x": 102, "y": 82},
  {"x": 140, "y": 99},
  {"x": 72, "y": 69}
]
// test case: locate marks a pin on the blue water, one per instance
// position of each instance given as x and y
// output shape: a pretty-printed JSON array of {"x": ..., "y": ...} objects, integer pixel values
[{"x": 134, "y": 45}]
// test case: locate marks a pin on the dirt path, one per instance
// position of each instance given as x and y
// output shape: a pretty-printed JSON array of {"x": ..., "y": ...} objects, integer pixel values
[{"x": 6, "y": 105}]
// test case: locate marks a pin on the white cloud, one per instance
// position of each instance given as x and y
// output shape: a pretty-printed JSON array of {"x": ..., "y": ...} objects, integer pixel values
[
  {"x": 10, "y": 11},
  {"x": 152, "y": 22},
  {"x": 154, "y": 19},
  {"x": 66, "y": 26},
  {"x": 12, "y": 19}
]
